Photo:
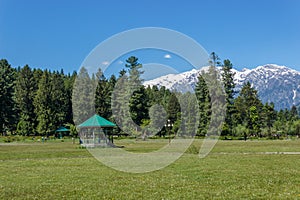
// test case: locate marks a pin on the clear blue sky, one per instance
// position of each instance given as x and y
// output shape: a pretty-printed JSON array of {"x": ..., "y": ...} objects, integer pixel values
[{"x": 60, "y": 34}]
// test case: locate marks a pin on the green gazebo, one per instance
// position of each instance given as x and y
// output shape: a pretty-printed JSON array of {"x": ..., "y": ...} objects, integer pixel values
[
  {"x": 62, "y": 131},
  {"x": 96, "y": 131}
]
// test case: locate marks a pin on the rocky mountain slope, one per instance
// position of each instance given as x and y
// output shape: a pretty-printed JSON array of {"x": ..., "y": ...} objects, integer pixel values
[{"x": 278, "y": 84}]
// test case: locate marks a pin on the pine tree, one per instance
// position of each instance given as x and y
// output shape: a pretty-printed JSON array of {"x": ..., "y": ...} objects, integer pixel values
[
  {"x": 112, "y": 82},
  {"x": 25, "y": 92},
  {"x": 191, "y": 116},
  {"x": 8, "y": 115},
  {"x": 203, "y": 98},
  {"x": 280, "y": 123},
  {"x": 120, "y": 103},
  {"x": 214, "y": 60},
  {"x": 269, "y": 116},
  {"x": 217, "y": 101},
  {"x": 164, "y": 95},
  {"x": 69, "y": 83},
  {"x": 139, "y": 106},
  {"x": 173, "y": 108},
  {"x": 294, "y": 113},
  {"x": 254, "y": 124},
  {"x": 138, "y": 102},
  {"x": 158, "y": 118},
  {"x": 83, "y": 97},
  {"x": 229, "y": 85},
  {"x": 134, "y": 69},
  {"x": 163, "y": 99},
  {"x": 59, "y": 101},
  {"x": 42, "y": 104},
  {"x": 129, "y": 100},
  {"x": 247, "y": 105},
  {"x": 103, "y": 96}
]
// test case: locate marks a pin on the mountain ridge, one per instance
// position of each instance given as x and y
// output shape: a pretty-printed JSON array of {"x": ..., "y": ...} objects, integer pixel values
[{"x": 275, "y": 83}]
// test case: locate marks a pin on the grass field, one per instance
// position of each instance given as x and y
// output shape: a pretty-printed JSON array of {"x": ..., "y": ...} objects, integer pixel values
[{"x": 233, "y": 170}]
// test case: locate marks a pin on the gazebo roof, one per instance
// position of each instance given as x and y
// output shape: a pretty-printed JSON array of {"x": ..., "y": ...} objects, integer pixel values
[
  {"x": 62, "y": 129},
  {"x": 97, "y": 121}
]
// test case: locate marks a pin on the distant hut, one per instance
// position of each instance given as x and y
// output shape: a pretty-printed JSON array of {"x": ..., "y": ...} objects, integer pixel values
[
  {"x": 96, "y": 131},
  {"x": 62, "y": 131}
]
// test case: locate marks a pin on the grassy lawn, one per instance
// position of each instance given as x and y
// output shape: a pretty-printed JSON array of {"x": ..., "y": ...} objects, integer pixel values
[{"x": 233, "y": 170}]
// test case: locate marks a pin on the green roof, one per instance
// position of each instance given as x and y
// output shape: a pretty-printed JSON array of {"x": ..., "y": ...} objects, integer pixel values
[
  {"x": 97, "y": 121},
  {"x": 62, "y": 129}
]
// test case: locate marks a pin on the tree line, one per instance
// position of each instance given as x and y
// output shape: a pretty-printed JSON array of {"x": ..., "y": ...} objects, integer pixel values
[
  {"x": 37, "y": 102},
  {"x": 34, "y": 101},
  {"x": 246, "y": 115}
]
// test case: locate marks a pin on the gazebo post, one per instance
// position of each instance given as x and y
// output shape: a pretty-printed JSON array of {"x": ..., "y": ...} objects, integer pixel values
[
  {"x": 105, "y": 135},
  {"x": 112, "y": 137},
  {"x": 93, "y": 136}
]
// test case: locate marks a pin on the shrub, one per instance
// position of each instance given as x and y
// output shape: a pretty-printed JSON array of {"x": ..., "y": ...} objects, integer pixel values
[
  {"x": 8, "y": 139},
  {"x": 192, "y": 150}
]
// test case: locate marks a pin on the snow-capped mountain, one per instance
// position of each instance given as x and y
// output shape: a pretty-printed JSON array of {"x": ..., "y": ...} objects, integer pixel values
[{"x": 278, "y": 84}]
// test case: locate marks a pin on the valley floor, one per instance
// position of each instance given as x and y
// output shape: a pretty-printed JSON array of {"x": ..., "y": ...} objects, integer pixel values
[{"x": 233, "y": 170}]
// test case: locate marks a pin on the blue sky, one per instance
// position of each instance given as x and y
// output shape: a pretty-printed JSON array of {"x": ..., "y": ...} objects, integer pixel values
[{"x": 60, "y": 34}]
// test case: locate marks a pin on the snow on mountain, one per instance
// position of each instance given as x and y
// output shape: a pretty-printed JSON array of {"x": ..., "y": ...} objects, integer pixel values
[
  {"x": 278, "y": 84},
  {"x": 181, "y": 82}
]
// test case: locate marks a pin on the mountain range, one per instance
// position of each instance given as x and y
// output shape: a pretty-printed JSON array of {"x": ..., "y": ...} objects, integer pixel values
[{"x": 274, "y": 83}]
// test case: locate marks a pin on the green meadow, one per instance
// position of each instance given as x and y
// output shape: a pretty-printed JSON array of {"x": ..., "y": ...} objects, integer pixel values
[{"x": 268, "y": 169}]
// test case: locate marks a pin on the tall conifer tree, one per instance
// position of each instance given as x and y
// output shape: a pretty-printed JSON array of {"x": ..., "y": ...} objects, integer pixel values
[
  {"x": 229, "y": 85},
  {"x": 25, "y": 93},
  {"x": 43, "y": 105},
  {"x": 203, "y": 98},
  {"x": 83, "y": 96},
  {"x": 103, "y": 96},
  {"x": 8, "y": 116}
]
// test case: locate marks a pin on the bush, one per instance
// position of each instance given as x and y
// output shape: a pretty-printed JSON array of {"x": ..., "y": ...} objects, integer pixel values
[
  {"x": 19, "y": 138},
  {"x": 81, "y": 147},
  {"x": 51, "y": 137},
  {"x": 240, "y": 130},
  {"x": 192, "y": 150},
  {"x": 8, "y": 139}
]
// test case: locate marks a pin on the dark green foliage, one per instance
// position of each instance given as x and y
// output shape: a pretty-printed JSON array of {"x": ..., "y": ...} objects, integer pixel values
[
  {"x": 211, "y": 98},
  {"x": 129, "y": 99},
  {"x": 83, "y": 96},
  {"x": 69, "y": 82},
  {"x": 8, "y": 115},
  {"x": 214, "y": 60},
  {"x": 229, "y": 85},
  {"x": 103, "y": 96},
  {"x": 43, "y": 106},
  {"x": 36, "y": 102},
  {"x": 158, "y": 118},
  {"x": 254, "y": 123},
  {"x": 163, "y": 105},
  {"x": 269, "y": 117},
  {"x": 25, "y": 91},
  {"x": 217, "y": 101},
  {"x": 119, "y": 103},
  {"x": 294, "y": 113},
  {"x": 189, "y": 119},
  {"x": 249, "y": 109},
  {"x": 296, "y": 128},
  {"x": 204, "y": 105},
  {"x": 139, "y": 106},
  {"x": 40, "y": 100},
  {"x": 173, "y": 108},
  {"x": 51, "y": 102},
  {"x": 112, "y": 82},
  {"x": 59, "y": 100},
  {"x": 138, "y": 102}
]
